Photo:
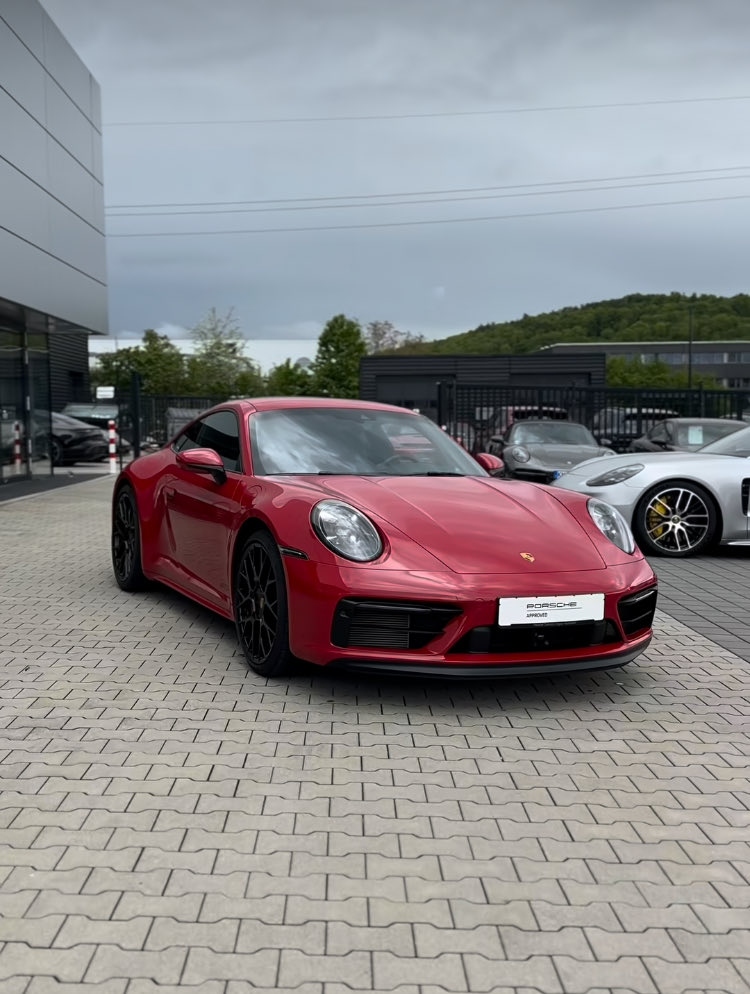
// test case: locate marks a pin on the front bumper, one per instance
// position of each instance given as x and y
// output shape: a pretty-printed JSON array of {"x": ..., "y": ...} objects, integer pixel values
[{"x": 459, "y": 644}]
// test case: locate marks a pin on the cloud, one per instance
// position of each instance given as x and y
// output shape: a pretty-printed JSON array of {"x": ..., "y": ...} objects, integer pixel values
[{"x": 549, "y": 246}]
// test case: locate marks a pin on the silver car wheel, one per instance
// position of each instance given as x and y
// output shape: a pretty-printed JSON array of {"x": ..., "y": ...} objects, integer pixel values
[{"x": 677, "y": 520}]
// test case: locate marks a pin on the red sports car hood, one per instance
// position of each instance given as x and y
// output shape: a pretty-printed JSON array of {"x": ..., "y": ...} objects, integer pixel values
[{"x": 474, "y": 524}]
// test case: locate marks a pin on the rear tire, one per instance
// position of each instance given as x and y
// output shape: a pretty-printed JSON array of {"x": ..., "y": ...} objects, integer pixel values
[
  {"x": 56, "y": 452},
  {"x": 261, "y": 606}
]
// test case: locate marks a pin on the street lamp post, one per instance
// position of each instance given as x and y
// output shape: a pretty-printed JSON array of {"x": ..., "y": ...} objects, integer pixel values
[{"x": 690, "y": 348}]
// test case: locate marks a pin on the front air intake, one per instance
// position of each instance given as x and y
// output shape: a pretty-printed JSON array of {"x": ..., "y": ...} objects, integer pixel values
[
  {"x": 389, "y": 624},
  {"x": 637, "y": 611}
]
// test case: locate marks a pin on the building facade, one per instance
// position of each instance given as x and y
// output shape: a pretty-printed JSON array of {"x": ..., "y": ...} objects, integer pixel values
[
  {"x": 728, "y": 361},
  {"x": 53, "y": 290},
  {"x": 412, "y": 381}
]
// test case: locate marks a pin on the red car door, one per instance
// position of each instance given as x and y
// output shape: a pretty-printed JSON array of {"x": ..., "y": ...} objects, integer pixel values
[{"x": 202, "y": 514}]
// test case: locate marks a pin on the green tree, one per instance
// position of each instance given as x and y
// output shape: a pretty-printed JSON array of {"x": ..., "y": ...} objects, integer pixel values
[
  {"x": 157, "y": 359},
  {"x": 623, "y": 372},
  {"x": 336, "y": 368},
  {"x": 219, "y": 366},
  {"x": 288, "y": 380},
  {"x": 382, "y": 336}
]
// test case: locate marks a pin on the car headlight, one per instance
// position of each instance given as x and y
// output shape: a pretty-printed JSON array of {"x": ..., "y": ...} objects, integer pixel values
[
  {"x": 346, "y": 531},
  {"x": 613, "y": 476},
  {"x": 519, "y": 454},
  {"x": 611, "y": 524}
]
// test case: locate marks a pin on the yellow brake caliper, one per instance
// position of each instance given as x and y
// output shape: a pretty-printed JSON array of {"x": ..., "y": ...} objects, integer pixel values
[{"x": 656, "y": 515}]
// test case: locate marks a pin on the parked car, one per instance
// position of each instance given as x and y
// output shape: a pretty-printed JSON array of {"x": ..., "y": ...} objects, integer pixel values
[
  {"x": 683, "y": 434},
  {"x": 299, "y": 519},
  {"x": 541, "y": 451},
  {"x": 506, "y": 416},
  {"x": 70, "y": 440},
  {"x": 616, "y": 427},
  {"x": 677, "y": 503},
  {"x": 100, "y": 415}
]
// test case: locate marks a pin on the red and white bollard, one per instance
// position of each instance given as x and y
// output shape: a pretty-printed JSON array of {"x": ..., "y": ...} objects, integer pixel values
[
  {"x": 17, "y": 460},
  {"x": 112, "y": 448}
]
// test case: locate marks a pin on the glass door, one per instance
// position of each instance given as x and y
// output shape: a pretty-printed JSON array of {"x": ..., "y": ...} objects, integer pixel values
[{"x": 13, "y": 449}]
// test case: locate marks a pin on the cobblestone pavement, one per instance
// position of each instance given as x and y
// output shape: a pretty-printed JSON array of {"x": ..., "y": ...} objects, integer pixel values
[
  {"x": 710, "y": 594},
  {"x": 167, "y": 819}
]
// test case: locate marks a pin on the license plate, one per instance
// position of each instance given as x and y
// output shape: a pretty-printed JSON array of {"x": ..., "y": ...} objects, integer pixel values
[{"x": 550, "y": 610}]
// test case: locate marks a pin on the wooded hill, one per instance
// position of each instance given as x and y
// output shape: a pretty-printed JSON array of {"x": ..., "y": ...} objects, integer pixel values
[{"x": 634, "y": 318}]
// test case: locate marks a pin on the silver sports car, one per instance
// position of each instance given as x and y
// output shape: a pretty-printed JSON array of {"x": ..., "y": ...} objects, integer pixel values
[
  {"x": 540, "y": 451},
  {"x": 678, "y": 503}
]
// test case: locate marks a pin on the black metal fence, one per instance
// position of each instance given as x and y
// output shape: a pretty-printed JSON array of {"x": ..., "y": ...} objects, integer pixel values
[
  {"x": 615, "y": 415},
  {"x": 150, "y": 420}
]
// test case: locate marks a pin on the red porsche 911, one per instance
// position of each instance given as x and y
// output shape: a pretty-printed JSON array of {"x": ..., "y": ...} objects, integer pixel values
[{"x": 356, "y": 534}]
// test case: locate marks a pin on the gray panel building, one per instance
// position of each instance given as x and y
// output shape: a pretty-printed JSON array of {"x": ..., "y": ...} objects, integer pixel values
[
  {"x": 728, "y": 361},
  {"x": 412, "y": 381},
  {"x": 53, "y": 290}
]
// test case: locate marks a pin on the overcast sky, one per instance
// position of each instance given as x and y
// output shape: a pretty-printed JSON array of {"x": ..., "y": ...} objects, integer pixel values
[{"x": 494, "y": 98}]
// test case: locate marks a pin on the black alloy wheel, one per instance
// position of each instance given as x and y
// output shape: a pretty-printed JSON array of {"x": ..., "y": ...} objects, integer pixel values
[
  {"x": 126, "y": 542},
  {"x": 675, "y": 519},
  {"x": 261, "y": 607}
]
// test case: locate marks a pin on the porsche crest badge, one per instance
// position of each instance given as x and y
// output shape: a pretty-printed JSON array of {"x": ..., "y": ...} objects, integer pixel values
[{"x": 527, "y": 556}]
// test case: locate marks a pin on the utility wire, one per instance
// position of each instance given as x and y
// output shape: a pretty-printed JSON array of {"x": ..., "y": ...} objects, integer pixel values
[
  {"x": 434, "y": 221},
  {"x": 434, "y": 114},
  {"x": 416, "y": 193},
  {"x": 440, "y": 200}
]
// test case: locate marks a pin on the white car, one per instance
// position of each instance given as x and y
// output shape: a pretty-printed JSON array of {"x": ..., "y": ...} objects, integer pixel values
[{"x": 677, "y": 503}]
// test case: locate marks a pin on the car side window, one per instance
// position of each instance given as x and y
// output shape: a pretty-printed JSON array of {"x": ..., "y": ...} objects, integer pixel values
[
  {"x": 220, "y": 431},
  {"x": 188, "y": 439},
  {"x": 659, "y": 433}
]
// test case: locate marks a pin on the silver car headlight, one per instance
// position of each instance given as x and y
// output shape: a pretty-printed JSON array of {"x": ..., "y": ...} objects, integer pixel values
[
  {"x": 346, "y": 531},
  {"x": 614, "y": 476},
  {"x": 611, "y": 524},
  {"x": 519, "y": 454}
]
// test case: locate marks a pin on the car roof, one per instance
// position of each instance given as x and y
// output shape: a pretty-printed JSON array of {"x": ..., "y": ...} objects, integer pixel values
[
  {"x": 544, "y": 421},
  {"x": 250, "y": 404},
  {"x": 705, "y": 421}
]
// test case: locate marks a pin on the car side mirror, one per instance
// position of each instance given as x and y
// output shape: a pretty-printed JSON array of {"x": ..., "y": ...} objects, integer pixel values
[
  {"x": 605, "y": 443},
  {"x": 205, "y": 461},
  {"x": 493, "y": 464}
]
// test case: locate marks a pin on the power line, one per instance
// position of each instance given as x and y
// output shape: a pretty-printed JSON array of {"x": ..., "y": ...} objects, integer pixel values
[
  {"x": 433, "y": 114},
  {"x": 434, "y": 221},
  {"x": 417, "y": 193},
  {"x": 440, "y": 200}
]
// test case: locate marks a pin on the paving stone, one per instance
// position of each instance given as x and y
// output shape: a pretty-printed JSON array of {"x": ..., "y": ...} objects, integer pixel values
[
  {"x": 168, "y": 820},
  {"x": 68, "y": 965}
]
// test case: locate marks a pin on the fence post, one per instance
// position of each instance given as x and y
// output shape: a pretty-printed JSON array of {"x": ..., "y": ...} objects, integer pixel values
[
  {"x": 17, "y": 462},
  {"x": 442, "y": 407},
  {"x": 112, "y": 448},
  {"x": 135, "y": 412}
]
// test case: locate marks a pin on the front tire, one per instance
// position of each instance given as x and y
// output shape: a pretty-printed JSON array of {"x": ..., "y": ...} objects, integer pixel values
[
  {"x": 675, "y": 519},
  {"x": 126, "y": 542},
  {"x": 261, "y": 608}
]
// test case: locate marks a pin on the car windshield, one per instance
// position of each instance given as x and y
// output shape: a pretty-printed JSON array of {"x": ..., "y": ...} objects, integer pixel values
[
  {"x": 552, "y": 433},
  {"x": 736, "y": 444},
  {"x": 354, "y": 442},
  {"x": 695, "y": 436}
]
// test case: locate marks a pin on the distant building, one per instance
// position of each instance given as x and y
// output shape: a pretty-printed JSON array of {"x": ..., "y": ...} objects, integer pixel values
[
  {"x": 53, "y": 290},
  {"x": 412, "y": 380},
  {"x": 727, "y": 361}
]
